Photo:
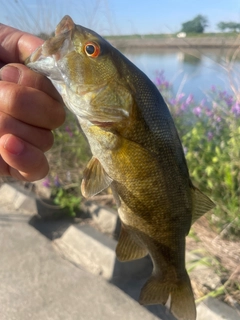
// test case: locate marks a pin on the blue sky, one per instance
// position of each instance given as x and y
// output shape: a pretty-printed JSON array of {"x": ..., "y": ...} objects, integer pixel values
[{"x": 117, "y": 16}]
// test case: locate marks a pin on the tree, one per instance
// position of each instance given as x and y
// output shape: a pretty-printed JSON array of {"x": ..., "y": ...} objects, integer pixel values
[
  {"x": 222, "y": 26},
  {"x": 232, "y": 26},
  {"x": 197, "y": 25}
]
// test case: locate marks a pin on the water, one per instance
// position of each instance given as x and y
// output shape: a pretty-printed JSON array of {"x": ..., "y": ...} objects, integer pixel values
[{"x": 193, "y": 71}]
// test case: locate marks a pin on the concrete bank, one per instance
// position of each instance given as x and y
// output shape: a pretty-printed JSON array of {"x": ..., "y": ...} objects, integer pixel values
[{"x": 75, "y": 276}]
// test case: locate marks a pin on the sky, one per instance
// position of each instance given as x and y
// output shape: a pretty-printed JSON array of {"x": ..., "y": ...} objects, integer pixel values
[{"x": 117, "y": 16}]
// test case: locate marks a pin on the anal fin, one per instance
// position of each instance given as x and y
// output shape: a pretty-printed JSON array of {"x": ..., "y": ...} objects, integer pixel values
[
  {"x": 201, "y": 204},
  {"x": 127, "y": 248},
  {"x": 95, "y": 179}
]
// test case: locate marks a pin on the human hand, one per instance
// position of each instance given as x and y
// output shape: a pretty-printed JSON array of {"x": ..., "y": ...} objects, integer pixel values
[{"x": 30, "y": 108}]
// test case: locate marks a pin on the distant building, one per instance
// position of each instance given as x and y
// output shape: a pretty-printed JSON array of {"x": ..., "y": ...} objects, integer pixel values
[{"x": 181, "y": 35}]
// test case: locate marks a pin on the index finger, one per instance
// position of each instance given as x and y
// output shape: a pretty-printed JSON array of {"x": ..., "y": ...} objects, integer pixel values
[{"x": 16, "y": 45}]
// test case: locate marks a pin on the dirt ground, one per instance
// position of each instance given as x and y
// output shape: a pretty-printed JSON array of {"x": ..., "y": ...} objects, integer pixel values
[{"x": 223, "y": 258}]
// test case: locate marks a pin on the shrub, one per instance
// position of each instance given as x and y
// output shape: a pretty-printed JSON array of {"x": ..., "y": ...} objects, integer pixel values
[{"x": 210, "y": 133}]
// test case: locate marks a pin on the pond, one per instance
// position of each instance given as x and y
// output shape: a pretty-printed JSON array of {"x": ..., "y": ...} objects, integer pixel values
[{"x": 192, "y": 71}]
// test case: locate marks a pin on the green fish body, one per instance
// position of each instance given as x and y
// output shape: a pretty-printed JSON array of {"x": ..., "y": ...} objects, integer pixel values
[{"x": 136, "y": 151}]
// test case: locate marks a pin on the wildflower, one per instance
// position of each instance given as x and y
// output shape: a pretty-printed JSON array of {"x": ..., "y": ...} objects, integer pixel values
[
  {"x": 179, "y": 97},
  {"x": 209, "y": 135},
  {"x": 166, "y": 84},
  {"x": 208, "y": 112},
  {"x": 183, "y": 106},
  {"x": 46, "y": 183},
  {"x": 57, "y": 182},
  {"x": 68, "y": 130},
  {"x": 189, "y": 99},
  {"x": 236, "y": 109},
  {"x": 222, "y": 94},
  {"x": 213, "y": 88},
  {"x": 197, "y": 111},
  {"x": 160, "y": 79},
  {"x": 229, "y": 100},
  {"x": 173, "y": 101},
  {"x": 203, "y": 102}
]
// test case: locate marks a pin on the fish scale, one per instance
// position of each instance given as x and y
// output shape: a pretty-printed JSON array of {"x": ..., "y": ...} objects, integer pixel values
[{"x": 136, "y": 151}]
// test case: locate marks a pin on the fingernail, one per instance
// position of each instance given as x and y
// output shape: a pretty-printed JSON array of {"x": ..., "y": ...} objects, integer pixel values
[
  {"x": 10, "y": 73},
  {"x": 13, "y": 145}
]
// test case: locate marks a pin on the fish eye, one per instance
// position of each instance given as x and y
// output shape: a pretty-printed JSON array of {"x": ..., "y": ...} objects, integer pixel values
[{"x": 92, "y": 49}]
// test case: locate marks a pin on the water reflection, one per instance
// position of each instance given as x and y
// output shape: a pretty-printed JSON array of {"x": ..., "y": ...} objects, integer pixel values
[
  {"x": 189, "y": 58},
  {"x": 191, "y": 70}
]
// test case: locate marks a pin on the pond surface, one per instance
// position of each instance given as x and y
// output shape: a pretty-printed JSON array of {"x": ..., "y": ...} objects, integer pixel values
[{"x": 192, "y": 70}]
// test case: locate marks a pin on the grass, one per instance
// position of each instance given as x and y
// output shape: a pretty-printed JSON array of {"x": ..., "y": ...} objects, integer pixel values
[{"x": 165, "y": 35}]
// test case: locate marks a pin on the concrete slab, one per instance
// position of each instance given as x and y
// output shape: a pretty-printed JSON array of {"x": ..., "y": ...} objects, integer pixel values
[
  {"x": 104, "y": 218},
  {"x": 37, "y": 284},
  {"x": 216, "y": 310},
  {"x": 14, "y": 198}
]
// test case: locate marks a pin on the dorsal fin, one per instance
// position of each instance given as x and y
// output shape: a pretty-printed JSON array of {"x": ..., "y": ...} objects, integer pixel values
[
  {"x": 201, "y": 204},
  {"x": 95, "y": 178}
]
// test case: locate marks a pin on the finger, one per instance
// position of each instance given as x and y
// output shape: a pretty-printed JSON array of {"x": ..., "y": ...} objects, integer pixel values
[
  {"x": 38, "y": 137},
  {"x": 25, "y": 162},
  {"x": 22, "y": 75},
  {"x": 31, "y": 106},
  {"x": 16, "y": 45}
]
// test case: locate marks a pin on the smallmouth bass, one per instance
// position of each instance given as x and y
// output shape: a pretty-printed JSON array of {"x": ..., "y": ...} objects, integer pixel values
[{"x": 136, "y": 151}]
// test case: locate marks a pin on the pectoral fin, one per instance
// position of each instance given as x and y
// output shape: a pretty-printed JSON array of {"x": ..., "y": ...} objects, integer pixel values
[
  {"x": 201, "y": 204},
  {"x": 95, "y": 179},
  {"x": 127, "y": 249}
]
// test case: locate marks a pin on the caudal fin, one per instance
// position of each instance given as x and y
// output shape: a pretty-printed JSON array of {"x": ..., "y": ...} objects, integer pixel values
[{"x": 180, "y": 294}]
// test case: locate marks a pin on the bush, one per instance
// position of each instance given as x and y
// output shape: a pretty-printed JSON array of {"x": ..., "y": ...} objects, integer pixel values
[
  {"x": 67, "y": 160},
  {"x": 210, "y": 133}
]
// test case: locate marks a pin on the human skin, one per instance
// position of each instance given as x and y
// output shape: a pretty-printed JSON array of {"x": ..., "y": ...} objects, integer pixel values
[{"x": 30, "y": 108}]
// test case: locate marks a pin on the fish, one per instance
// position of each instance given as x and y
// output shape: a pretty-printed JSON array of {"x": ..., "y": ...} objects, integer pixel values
[{"x": 136, "y": 151}]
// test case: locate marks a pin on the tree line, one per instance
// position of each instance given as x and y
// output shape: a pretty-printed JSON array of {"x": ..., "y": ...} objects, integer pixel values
[{"x": 199, "y": 23}]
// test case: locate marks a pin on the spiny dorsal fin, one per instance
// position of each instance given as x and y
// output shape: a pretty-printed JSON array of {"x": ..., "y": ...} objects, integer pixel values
[
  {"x": 95, "y": 179},
  {"x": 127, "y": 249},
  {"x": 201, "y": 204}
]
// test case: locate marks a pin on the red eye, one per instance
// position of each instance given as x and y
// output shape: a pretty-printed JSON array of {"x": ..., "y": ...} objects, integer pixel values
[{"x": 92, "y": 49}]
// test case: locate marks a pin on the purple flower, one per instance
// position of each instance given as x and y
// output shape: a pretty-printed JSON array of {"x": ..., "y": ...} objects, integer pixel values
[
  {"x": 236, "y": 109},
  {"x": 57, "y": 182},
  {"x": 46, "y": 183},
  {"x": 210, "y": 135},
  {"x": 197, "y": 111},
  {"x": 208, "y": 112},
  {"x": 202, "y": 103},
  {"x": 189, "y": 99},
  {"x": 179, "y": 96},
  {"x": 183, "y": 106},
  {"x": 213, "y": 88},
  {"x": 160, "y": 79},
  {"x": 68, "y": 130},
  {"x": 229, "y": 100},
  {"x": 166, "y": 84},
  {"x": 222, "y": 94}
]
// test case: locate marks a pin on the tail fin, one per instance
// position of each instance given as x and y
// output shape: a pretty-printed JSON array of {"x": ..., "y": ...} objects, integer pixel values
[{"x": 180, "y": 294}]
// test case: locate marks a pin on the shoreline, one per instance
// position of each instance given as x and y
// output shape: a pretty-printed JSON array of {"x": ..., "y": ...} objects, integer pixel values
[{"x": 173, "y": 42}]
